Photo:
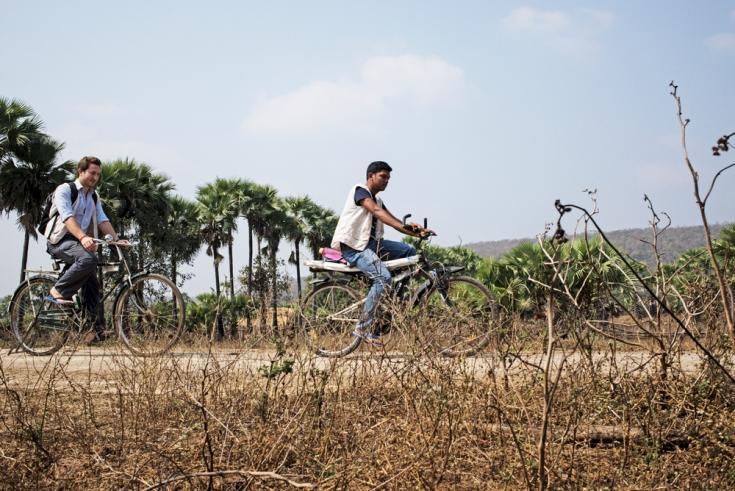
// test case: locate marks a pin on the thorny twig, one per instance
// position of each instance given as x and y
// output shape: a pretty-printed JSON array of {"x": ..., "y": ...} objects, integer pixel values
[{"x": 562, "y": 209}]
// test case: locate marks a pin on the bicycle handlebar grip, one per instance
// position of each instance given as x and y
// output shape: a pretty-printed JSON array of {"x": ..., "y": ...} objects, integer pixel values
[
  {"x": 406, "y": 217},
  {"x": 426, "y": 223}
]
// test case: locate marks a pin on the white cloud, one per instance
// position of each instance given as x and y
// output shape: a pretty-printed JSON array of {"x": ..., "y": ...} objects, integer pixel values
[
  {"x": 531, "y": 19},
  {"x": 723, "y": 42},
  {"x": 569, "y": 32},
  {"x": 383, "y": 82}
]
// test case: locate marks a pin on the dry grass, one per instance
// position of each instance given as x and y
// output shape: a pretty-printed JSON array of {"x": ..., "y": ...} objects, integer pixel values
[{"x": 371, "y": 421}]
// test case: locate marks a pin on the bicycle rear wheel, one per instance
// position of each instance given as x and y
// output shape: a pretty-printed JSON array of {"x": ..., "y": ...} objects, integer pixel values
[
  {"x": 464, "y": 316},
  {"x": 329, "y": 315},
  {"x": 40, "y": 327},
  {"x": 149, "y": 315}
]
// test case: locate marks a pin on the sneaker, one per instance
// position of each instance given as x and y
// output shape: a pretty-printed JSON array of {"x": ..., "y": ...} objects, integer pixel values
[
  {"x": 93, "y": 338},
  {"x": 373, "y": 340},
  {"x": 59, "y": 301}
]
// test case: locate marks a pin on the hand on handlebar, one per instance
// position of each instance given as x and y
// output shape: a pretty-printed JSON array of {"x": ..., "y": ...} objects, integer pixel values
[
  {"x": 89, "y": 244},
  {"x": 420, "y": 231},
  {"x": 107, "y": 240}
]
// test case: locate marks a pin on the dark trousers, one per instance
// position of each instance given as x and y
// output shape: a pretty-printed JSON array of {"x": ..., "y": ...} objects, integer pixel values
[{"x": 80, "y": 273}]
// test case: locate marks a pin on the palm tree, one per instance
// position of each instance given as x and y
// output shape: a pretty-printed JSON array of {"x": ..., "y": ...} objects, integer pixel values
[
  {"x": 135, "y": 196},
  {"x": 246, "y": 191},
  {"x": 181, "y": 239},
  {"x": 300, "y": 212},
  {"x": 25, "y": 182},
  {"x": 261, "y": 206},
  {"x": 136, "y": 200},
  {"x": 19, "y": 125},
  {"x": 322, "y": 222},
  {"x": 278, "y": 226},
  {"x": 213, "y": 212},
  {"x": 230, "y": 189}
]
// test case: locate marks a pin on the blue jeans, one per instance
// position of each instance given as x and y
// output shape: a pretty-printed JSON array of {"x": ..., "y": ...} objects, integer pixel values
[{"x": 370, "y": 262}]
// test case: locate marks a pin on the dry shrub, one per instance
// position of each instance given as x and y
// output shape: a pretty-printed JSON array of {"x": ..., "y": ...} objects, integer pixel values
[{"x": 400, "y": 417}]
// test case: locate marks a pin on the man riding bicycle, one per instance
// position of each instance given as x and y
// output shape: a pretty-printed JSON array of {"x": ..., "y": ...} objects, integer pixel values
[
  {"x": 359, "y": 236},
  {"x": 77, "y": 216}
]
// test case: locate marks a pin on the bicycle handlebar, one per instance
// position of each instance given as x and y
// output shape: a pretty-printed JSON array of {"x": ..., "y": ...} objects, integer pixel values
[
  {"x": 426, "y": 225},
  {"x": 107, "y": 240}
]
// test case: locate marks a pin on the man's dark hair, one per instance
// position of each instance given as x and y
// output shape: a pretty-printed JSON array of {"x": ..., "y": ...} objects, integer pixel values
[
  {"x": 378, "y": 166},
  {"x": 85, "y": 162}
]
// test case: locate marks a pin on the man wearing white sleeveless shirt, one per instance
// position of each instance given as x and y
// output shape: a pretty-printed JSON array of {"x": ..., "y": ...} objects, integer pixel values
[{"x": 359, "y": 236}]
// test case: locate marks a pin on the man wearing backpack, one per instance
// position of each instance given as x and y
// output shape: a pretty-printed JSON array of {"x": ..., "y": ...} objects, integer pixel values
[
  {"x": 359, "y": 237},
  {"x": 75, "y": 216}
]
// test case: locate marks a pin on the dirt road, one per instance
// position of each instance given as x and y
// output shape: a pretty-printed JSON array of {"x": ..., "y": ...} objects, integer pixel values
[{"x": 95, "y": 368}]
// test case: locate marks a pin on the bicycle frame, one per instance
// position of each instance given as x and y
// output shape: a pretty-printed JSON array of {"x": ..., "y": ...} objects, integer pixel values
[{"x": 113, "y": 292}]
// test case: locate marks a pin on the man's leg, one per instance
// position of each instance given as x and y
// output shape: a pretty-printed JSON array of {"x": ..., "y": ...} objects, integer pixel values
[
  {"x": 93, "y": 305},
  {"x": 83, "y": 264},
  {"x": 391, "y": 249},
  {"x": 369, "y": 263}
]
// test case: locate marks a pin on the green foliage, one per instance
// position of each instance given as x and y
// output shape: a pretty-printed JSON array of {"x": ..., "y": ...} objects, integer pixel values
[
  {"x": 520, "y": 278},
  {"x": 450, "y": 256},
  {"x": 4, "y": 315},
  {"x": 201, "y": 312},
  {"x": 134, "y": 196},
  {"x": 276, "y": 369}
]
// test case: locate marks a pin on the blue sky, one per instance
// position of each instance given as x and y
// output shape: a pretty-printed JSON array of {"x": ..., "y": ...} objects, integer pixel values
[{"x": 487, "y": 111}]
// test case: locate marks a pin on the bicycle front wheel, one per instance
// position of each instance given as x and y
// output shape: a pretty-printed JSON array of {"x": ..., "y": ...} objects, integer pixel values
[
  {"x": 329, "y": 315},
  {"x": 40, "y": 327},
  {"x": 464, "y": 316},
  {"x": 149, "y": 315}
]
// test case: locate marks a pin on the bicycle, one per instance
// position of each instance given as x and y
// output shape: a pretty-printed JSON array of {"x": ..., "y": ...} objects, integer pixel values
[
  {"x": 333, "y": 308},
  {"x": 148, "y": 309}
]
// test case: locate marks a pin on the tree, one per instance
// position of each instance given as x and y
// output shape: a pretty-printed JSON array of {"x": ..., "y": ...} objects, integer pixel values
[
  {"x": 180, "y": 239},
  {"x": 300, "y": 212},
  {"x": 135, "y": 197},
  {"x": 262, "y": 200},
  {"x": 19, "y": 125},
  {"x": 213, "y": 213},
  {"x": 27, "y": 179},
  {"x": 322, "y": 223}
]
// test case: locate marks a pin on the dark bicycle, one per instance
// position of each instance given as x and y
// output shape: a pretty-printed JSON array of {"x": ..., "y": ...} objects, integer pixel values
[
  {"x": 148, "y": 309},
  {"x": 462, "y": 306}
]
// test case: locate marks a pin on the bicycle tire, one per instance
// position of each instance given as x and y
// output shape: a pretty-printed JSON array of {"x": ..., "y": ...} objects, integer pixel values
[
  {"x": 464, "y": 316},
  {"x": 40, "y": 327},
  {"x": 149, "y": 315},
  {"x": 326, "y": 334}
]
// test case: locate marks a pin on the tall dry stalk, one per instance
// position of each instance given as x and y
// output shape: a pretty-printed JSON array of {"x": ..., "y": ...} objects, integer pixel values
[{"x": 726, "y": 295}]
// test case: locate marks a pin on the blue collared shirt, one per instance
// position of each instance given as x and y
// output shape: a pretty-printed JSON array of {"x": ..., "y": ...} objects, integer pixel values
[{"x": 83, "y": 209}]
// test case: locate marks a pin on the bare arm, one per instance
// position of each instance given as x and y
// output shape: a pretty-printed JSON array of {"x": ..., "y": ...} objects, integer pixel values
[
  {"x": 387, "y": 218},
  {"x": 106, "y": 228},
  {"x": 73, "y": 227}
]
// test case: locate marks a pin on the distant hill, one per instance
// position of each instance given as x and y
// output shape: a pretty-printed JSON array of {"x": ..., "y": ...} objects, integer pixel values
[{"x": 672, "y": 243}]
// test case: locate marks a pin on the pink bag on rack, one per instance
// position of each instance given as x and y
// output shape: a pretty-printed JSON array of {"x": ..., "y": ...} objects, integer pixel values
[{"x": 332, "y": 255}]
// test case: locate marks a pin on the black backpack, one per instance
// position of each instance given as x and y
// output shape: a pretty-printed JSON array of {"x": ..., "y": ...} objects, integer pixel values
[{"x": 46, "y": 216}]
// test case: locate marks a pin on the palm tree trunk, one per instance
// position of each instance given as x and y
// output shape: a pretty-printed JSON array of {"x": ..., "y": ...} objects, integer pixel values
[
  {"x": 250, "y": 259},
  {"x": 232, "y": 277},
  {"x": 274, "y": 288},
  {"x": 261, "y": 290},
  {"x": 220, "y": 327},
  {"x": 24, "y": 260},
  {"x": 250, "y": 274},
  {"x": 173, "y": 271},
  {"x": 298, "y": 271}
]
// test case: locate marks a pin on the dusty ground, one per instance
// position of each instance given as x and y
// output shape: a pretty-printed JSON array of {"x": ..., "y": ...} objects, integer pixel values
[{"x": 96, "y": 366}]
